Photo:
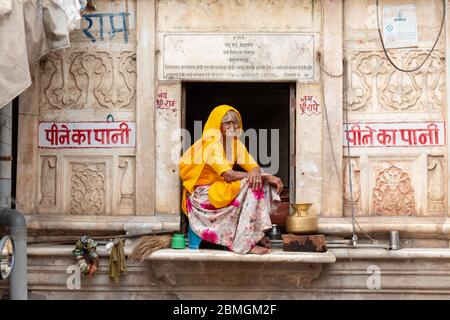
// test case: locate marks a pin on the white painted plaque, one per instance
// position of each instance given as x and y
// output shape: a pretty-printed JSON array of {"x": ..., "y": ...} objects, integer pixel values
[
  {"x": 400, "y": 26},
  {"x": 237, "y": 56},
  {"x": 62, "y": 135},
  {"x": 414, "y": 134}
]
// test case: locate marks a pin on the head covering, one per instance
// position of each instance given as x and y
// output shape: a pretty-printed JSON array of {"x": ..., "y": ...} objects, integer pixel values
[{"x": 194, "y": 159}]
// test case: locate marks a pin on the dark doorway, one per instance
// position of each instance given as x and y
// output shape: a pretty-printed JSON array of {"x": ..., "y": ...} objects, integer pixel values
[{"x": 262, "y": 106}]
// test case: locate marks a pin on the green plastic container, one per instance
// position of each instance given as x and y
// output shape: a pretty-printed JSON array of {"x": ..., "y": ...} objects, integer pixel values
[{"x": 178, "y": 241}]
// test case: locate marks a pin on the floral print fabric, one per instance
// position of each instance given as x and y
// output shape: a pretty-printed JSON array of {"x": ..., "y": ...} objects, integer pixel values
[{"x": 240, "y": 225}]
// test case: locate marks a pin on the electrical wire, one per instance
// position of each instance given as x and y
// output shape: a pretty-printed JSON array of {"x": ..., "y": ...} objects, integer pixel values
[{"x": 428, "y": 55}]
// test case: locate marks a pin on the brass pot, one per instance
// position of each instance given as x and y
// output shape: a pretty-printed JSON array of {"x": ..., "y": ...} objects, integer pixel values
[{"x": 301, "y": 222}]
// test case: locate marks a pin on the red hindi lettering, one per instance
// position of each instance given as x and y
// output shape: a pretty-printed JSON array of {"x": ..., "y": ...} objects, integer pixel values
[
  {"x": 409, "y": 136},
  {"x": 387, "y": 137},
  {"x": 102, "y": 136},
  {"x": 355, "y": 133},
  {"x": 79, "y": 136},
  {"x": 65, "y": 138},
  {"x": 52, "y": 134}
]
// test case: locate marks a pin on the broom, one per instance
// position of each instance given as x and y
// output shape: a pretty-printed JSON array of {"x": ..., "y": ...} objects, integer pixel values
[{"x": 147, "y": 245}]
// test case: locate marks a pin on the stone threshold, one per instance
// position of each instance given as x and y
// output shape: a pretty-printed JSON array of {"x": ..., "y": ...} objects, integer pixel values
[{"x": 276, "y": 255}]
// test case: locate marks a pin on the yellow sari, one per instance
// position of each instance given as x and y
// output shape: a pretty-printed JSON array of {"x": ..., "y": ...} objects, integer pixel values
[{"x": 205, "y": 162}]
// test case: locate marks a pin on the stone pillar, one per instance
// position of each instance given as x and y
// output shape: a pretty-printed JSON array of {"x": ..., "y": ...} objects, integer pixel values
[
  {"x": 333, "y": 91},
  {"x": 309, "y": 139},
  {"x": 27, "y": 146},
  {"x": 168, "y": 146},
  {"x": 446, "y": 226},
  {"x": 145, "y": 116}
]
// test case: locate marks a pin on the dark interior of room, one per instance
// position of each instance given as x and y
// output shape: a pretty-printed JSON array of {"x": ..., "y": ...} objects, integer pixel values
[{"x": 262, "y": 106}]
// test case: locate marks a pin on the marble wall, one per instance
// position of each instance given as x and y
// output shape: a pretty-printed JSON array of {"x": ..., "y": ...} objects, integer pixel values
[{"x": 117, "y": 67}]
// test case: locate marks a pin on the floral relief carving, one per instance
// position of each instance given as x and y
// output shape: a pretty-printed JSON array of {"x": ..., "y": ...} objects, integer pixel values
[
  {"x": 80, "y": 80},
  {"x": 352, "y": 196},
  {"x": 59, "y": 85},
  {"x": 366, "y": 73},
  {"x": 90, "y": 70},
  {"x": 48, "y": 182},
  {"x": 429, "y": 79},
  {"x": 393, "y": 194},
  {"x": 399, "y": 92},
  {"x": 118, "y": 88},
  {"x": 373, "y": 84},
  {"x": 87, "y": 189},
  {"x": 127, "y": 184},
  {"x": 436, "y": 184}
]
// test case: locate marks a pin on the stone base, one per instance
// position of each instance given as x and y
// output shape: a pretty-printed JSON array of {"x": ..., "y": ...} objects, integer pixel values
[{"x": 356, "y": 274}]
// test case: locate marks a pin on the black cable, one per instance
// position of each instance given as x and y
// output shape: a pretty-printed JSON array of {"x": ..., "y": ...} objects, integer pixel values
[{"x": 429, "y": 54}]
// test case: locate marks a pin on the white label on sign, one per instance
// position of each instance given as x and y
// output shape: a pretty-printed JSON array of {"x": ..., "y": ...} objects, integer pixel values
[
  {"x": 237, "y": 56},
  {"x": 399, "y": 26}
]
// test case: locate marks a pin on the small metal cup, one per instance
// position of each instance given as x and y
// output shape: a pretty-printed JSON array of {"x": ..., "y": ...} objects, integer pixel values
[
  {"x": 275, "y": 232},
  {"x": 395, "y": 240}
]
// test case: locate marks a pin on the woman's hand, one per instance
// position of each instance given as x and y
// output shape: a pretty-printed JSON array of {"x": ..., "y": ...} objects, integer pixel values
[
  {"x": 254, "y": 178},
  {"x": 275, "y": 181}
]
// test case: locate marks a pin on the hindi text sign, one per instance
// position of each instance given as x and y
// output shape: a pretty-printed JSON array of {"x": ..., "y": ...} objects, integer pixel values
[
  {"x": 394, "y": 134},
  {"x": 59, "y": 135},
  {"x": 238, "y": 56}
]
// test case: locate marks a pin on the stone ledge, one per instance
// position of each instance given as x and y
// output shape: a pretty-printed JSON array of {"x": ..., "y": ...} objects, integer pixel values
[
  {"x": 277, "y": 255},
  {"x": 408, "y": 253},
  {"x": 132, "y": 225},
  {"x": 203, "y": 255},
  {"x": 416, "y": 227}
]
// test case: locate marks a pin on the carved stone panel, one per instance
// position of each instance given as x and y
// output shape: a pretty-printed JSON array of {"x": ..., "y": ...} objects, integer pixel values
[
  {"x": 126, "y": 182},
  {"x": 88, "y": 80},
  {"x": 48, "y": 182},
  {"x": 88, "y": 188},
  {"x": 374, "y": 85},
  {"x": 393, "y": 191},
  {"x": 436, "y": 185},
  {"x": 352, "y": 186}
]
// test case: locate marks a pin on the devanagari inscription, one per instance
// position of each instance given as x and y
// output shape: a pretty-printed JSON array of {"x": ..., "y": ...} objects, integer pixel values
[
  {"x": 87, "y": 135},
  {"x": 394, "y": 134}
]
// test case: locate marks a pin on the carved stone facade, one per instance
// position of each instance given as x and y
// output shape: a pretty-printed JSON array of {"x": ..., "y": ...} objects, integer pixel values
[
  {"x": 82, "y": 80},
  {"x": 87, "y": 189},
  {"x": 48, "y": 181},
  {"x": 436, "y": 185},
  {"x": 393, "y": 194},
  {"x": 93, "y": 81},
  {"x": 396, "y": 181},
  {"x": 352, "y": 186},
  {"x": 374, "y": 85},
  {"x": 127, "y": 175},
  {"x": 109, "y": 77}
]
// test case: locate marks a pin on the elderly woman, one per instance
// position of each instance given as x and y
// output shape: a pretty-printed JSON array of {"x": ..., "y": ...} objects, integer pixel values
[{"x": 227, "y": 207}]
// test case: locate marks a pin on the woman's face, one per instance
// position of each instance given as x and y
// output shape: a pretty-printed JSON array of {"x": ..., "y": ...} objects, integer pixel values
[{"x": 230, "y": 125}]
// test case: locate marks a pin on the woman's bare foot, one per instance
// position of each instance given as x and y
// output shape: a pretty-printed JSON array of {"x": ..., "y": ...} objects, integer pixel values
[
  {"x": 265, "y": 242},
  {"x": 259, "y": 250}
]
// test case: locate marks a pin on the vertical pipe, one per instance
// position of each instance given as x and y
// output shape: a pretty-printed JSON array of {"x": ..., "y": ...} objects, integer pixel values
[
  {"x": 19, "y": 274},
  {"x": 17, "y": 227}
]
